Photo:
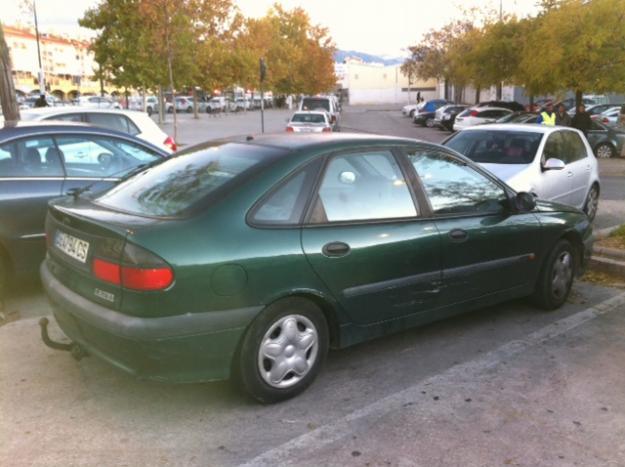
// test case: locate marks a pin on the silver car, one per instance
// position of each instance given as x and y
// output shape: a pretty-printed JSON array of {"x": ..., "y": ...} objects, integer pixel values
[
  {"x": 552, "y": 162},
  {"x": 309, "y": 122}
]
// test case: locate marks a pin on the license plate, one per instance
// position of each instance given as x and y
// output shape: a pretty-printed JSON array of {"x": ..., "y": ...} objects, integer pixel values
[{"x": 72, "y": 246}]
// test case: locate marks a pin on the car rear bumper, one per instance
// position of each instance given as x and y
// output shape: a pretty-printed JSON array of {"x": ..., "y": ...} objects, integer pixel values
[{"x": 184, "y": 348}]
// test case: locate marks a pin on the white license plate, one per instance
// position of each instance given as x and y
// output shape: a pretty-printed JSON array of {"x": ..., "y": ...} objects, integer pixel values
[{"x": 72, "y": 246}]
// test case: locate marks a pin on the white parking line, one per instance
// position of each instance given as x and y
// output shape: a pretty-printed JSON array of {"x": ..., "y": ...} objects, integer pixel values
[{"x": 332, "y": 432}]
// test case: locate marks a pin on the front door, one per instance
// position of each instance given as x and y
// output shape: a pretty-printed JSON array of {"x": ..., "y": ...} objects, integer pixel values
[
  {"x": 365, "y": 238},
  {"x": 555, "y": 185},
  {"x": 485, "y": 247}
]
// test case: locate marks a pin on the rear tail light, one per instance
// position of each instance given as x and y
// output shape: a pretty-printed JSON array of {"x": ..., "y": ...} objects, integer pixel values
[
  {"x": 170, "y": 143},
  {"x": 327, "y": 129},
  {"x": 605, "y": 120},
  {"x": 138, "y": 270},
  {"x": 474, "y": 113},
  {"x": 289, "y": 129}
]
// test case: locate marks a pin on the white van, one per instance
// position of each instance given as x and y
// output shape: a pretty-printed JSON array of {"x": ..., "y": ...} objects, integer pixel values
[{"x": 325, "y": 103}]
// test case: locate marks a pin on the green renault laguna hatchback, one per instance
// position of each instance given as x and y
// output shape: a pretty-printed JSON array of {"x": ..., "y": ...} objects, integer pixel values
[{"x": 250, "y": 259}]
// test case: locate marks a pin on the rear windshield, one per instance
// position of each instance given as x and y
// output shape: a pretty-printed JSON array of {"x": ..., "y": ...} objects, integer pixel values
[
  {"x": 308, "y": 118},
  {"x": 314, "y": 103},
  {"x": 185, "y": 182},
  {"x": 496, "y": 147}
]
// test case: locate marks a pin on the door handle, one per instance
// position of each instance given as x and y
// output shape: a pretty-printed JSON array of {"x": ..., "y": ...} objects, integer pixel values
[
  {"x": 458, "y": 235},
  {"x": 569, "y": 174},
  {"x": 335, "y": 249}
]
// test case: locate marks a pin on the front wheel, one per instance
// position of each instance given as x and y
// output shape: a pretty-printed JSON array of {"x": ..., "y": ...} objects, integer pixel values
[
  {"x": 429, "y": 122},
  {"x": 556, "y": 277},
  {"x": 604, "y": 151},
  {"x": 283, "y": 350},
  {"x": 592, "y": 203}
]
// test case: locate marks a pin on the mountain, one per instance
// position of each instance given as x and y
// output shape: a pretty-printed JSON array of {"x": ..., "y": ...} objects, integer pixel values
[{"x": 341, "y": 55}]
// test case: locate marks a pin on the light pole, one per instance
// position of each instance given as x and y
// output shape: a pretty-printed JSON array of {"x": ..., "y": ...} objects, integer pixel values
[
  {"x": 42, "y": 85},
  {"x": 500, "y": 84}
]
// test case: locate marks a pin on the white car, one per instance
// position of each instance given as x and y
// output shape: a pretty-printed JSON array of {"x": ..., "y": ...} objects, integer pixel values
[
  {"x": 97, "y": 102},
  {"x": 409, "y": 110},
  {"x": 309, "y": 122},
  {"x": 552, "y": 162},
  {"x": 609, "y": 117},
  {"x": 478, "y": 116},
  {"x": 137, "y": 124}
]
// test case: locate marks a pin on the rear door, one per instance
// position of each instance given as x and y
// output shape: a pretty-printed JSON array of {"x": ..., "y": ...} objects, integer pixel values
[
  {"x": 367, "y": 240},
  {"x": 31, "y": 174},
  {"x": 578, "y": 166}
]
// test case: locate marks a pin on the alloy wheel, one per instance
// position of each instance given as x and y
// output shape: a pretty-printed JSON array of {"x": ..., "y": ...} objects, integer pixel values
[
  {"x": 604, "y": 151},
  {"x": 592, "y": 203},
  {"x": 288, "y": 351},
  {"x": 562, "y": 274}
]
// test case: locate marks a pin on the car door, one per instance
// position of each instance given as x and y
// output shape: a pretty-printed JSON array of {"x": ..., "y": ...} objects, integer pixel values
[
  {"x": 596, "y": 134},
  {"x": 554, "y": 185},
  {"x": 31, "y": 174},
  {"x": 578, "y": 167},
  {"x": 486, "y": 248},
  {"x": 368, "y": 242}
]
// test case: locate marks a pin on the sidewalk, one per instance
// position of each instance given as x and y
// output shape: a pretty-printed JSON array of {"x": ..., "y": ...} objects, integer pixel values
[{"x": 554, "y": 399}]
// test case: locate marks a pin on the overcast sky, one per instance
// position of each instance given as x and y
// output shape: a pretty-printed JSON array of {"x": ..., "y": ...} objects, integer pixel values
[{"x": 383, "y": 27}]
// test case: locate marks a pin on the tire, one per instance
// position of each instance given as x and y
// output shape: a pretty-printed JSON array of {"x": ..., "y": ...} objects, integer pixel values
[
  {"x": 149, "y": 111},
  {"x": 429, "y": 122},
  {"x": 556, "y": 277},
  {"x": 269, "y": 331},
  {"x": 170, "y": 110},
  {"x": 411, "y": 114},
  {"x": 605, "y": 151},
  {"x": 189, "y": 110},
  {"x": 591, "y": 204}
]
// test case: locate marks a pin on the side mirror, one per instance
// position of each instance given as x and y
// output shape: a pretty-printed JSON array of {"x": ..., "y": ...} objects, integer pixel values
[
  {"x": 553, "y": 164},
  {"x": 524, "y": 201}
]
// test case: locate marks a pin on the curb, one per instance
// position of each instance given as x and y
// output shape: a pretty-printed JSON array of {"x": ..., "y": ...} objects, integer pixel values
[
  {"x": 603, "y": 233},
  {"x": 608, "y": 265}
]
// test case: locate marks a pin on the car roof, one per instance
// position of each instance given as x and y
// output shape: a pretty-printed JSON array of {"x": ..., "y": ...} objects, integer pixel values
[
  {"x": 526, "y": 127},
  {"x": 316, "y": 141},
  {"x": 317, "y": 112},
  {"x": 484, "y": 109},
  {"x": 45, "y": 111}
]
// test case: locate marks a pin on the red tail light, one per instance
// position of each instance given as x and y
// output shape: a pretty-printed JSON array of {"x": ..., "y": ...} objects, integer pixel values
[
  {"x": 170, "y": 143},
  {"x": 474, "y": 113},
  {"x": 289, "y": 129},
  {"x": 139, "y": 270},
  {"x": 327, "y": 129},
  {"x": 605, "y": 120}
]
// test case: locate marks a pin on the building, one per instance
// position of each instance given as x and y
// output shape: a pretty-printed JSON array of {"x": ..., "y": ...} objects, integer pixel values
[
  {"x": 373, "y": 83},
  {"x": 67, "y": 63}
]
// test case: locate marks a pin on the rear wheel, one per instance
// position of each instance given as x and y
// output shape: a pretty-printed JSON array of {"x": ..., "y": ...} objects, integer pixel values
[
  {"x": 592, "y": 203},
  {"x": 604, "y": 151},
  {"x": 556, "y": 277},
  {"x": 283, "y": 350},
  {"x": 429, "y": 122}
]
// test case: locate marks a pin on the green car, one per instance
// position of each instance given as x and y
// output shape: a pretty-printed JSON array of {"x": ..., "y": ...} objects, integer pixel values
[{"x": 250, "y": 259}]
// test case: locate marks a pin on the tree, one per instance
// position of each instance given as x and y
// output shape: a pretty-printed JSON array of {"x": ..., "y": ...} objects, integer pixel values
[{"x": 8, "y": 99}]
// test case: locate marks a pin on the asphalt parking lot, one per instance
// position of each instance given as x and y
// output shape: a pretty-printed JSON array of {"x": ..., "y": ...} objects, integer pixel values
[{"x": 507, "y": 385}]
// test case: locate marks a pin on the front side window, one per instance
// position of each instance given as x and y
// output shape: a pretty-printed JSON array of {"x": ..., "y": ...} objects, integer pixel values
[
  {"x": 109, "y": 121},
  {"x": 360, "y": 187},
  {"x": 98, "y": 156},
  {"x": 554, "y": 148},
  {"x": 67, "y": 117},
  {"x": 453, "y": 187},
  {"x": 575, "y": 148},
  {"x": 31, "y": 157}
]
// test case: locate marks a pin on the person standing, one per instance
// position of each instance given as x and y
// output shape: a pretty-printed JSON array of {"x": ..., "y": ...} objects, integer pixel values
[
  {"x": 582, "y": 120},
  {"x": 547, "y": 116},
  {"x": 41, "y": 101},
  {"x": 621, "y": 117},
  {"x": 562, "y": 117}
]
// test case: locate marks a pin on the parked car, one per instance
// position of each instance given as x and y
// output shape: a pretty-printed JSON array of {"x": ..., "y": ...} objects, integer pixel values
[
  {"x": 518, "y": 117},
  {"x": 151, "y": 104},
  {"x": 309, "y": 122},
  {"x": 247, "y": 258},
  {"x": 29, "y": 102},
  {"x": 217, "y": 104},
  {"x": 479, "y": 116},
  {"x": 593, "y": 109},
  {"x": 183, "y": 104},
  {"x": 608, "y": 117},
  {"x": 554, "y": 163},
  {"x": 409, "y": 110},
  {"x": 512, "y": 105},
  {"x": 606, "y": 141},
  {"x": 98, "y": 102},
  {"x": 44, "y": 160},
  {"x": 127, "y": 121},
  {"x": 424, "y": 115},
  {"x": 323, "y": 103},
  {"x": 445, "y": 116}
]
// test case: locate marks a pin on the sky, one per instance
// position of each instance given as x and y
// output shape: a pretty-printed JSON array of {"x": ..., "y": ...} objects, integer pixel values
[{"x": 380, "y": 27}]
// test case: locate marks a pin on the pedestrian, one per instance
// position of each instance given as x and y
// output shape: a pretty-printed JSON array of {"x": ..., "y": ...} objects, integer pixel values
[
  {"x": 418, "y": 96},
  {"x": 41, "y": 101},
  {"x": 562, "y": 117},
  {"x": 547, "y": 116},
  {"x": 621, "y": 117},
  {"x": 582, "y": 120}
]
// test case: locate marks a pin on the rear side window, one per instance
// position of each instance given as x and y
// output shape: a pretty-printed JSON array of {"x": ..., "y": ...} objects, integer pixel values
[
  {"x": 496, "y": 147},
  {"x": 67, "y": 117},
  {"x": 182, "y": 184},
  {"x": 575, "y": 148},
  {"x": 116, "y": 122}
]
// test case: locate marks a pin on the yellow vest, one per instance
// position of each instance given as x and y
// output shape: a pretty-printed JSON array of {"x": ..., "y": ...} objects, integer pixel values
[{"x": 547, "y": 119}]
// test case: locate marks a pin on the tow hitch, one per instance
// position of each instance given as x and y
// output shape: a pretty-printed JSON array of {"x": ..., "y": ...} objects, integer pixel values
[{"x": 76, "y": 350}]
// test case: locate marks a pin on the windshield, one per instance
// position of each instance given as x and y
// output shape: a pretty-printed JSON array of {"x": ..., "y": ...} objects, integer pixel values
[
  {"x": 312, "y": 103},
  {"x": 308, "y": 118},
  {"x": 176, "y": 186},
  {"x": 497, "y": 147}
]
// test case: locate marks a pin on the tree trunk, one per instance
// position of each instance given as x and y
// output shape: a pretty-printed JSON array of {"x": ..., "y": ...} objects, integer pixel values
[
  {"x": 478, "y": 91},
  {"x": 499, "y": 91},
  {"x": 8, "y": 99},
  {"x": 161, "y": 106},
  {"x": 578, "y": 98},
  {"x": 195, "y": 114}
]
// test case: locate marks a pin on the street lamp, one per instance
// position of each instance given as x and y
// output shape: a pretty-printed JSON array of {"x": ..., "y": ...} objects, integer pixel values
[{"x": 42, "y": 86}]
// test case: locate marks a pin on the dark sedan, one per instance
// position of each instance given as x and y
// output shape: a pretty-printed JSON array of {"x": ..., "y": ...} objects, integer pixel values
[
  {"x": 606, "y": 141},
  {"x": 252, "y": 259},
  {"x": 44, "y": 160}
]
